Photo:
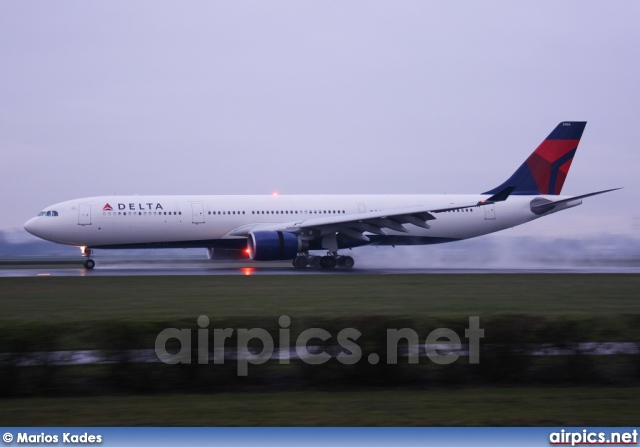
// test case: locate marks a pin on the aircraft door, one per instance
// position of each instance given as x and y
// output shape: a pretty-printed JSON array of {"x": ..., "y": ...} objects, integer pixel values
[
  {"x": 84, "y": 214},
  {"x": 197, "y": 213},
  {"x": 489, "y": 212},
  {"x": 362, "y": 208}
]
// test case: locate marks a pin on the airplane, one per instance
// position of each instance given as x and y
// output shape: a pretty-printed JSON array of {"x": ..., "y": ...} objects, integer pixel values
[{"x": 283, "y": 227}]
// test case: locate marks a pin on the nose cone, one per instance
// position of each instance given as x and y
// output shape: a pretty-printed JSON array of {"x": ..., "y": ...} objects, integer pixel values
[{"x": 31, "y": 225}]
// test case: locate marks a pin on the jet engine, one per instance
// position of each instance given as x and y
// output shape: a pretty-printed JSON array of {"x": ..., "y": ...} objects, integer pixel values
[{"x": 272, "y": 245}]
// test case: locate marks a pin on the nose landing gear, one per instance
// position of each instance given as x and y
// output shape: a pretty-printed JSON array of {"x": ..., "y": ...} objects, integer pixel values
[{"x": 89, "y": 263}]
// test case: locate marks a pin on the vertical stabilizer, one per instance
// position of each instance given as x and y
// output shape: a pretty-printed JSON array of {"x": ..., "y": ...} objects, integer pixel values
[{"x": 546, "y": 169}]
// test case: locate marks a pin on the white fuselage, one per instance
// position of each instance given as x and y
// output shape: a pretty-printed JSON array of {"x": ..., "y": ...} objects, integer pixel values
[{"x": 214, "y": 221}]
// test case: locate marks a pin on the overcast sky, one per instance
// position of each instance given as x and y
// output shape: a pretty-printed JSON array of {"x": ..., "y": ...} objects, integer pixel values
[{"x": 243, "y": 97}]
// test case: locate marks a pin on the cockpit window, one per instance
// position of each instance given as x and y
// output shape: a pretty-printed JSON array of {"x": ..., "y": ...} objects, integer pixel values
[
  {"x": 54, "y": 213},
  {"x": 48, "y": 213},
  {"x": 42, "y": 213}
]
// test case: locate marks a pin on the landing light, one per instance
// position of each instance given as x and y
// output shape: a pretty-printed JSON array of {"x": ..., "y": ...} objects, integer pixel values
[{"x": 248, "y": 271}]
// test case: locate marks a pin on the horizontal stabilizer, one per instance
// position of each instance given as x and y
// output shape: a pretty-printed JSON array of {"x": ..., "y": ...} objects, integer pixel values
[{"x": 541, "y": 206}]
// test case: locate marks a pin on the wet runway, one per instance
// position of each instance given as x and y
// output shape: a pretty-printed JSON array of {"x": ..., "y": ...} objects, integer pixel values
[
  {"x": 111, "y": 268},
  {"x": 89, "y": 357}
]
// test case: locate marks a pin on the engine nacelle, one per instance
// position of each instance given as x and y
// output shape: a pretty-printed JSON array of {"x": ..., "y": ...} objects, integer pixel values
[{"x": 272, "y": 245}]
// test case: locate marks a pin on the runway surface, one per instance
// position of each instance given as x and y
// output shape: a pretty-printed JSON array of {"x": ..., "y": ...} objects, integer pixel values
[
  {"x": 89, "y": 357},
  {"x": 201, "y": 269}
]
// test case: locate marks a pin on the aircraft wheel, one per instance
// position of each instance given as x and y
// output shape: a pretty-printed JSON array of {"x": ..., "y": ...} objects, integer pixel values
[
  {"x": 327, "y": 262},
  {"x": 315, "y": 261},
  {"x": 347, "y": 262},
  {"x": 300, "y": 262},
  {"x": 89, "y": 264}
]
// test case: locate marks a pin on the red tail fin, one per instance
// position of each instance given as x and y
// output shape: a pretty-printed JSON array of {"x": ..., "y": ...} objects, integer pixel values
[{"x": 546, "y": 169}]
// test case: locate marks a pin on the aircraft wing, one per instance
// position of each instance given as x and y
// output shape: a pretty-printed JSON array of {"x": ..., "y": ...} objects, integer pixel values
[
  {"x": 354, "y": 225},
  {"x": 379, "y": 222}
]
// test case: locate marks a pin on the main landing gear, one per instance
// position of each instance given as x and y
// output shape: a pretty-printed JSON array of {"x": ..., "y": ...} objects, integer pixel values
[
  {"x": 89, "y": 263},
  {"x": 327, "y": 262}
]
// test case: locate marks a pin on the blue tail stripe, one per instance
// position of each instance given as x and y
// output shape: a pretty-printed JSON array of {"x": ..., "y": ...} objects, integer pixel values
[
  {"x": 555, "y": 167},
  {"x": 522, "y": 179}
]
